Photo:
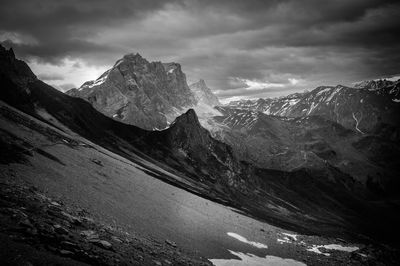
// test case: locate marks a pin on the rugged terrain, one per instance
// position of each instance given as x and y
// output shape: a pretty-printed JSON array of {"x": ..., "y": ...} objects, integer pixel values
[
  {"x": 149, "y": 179},
  {"x": 311, "y": 142},
  {"x": 137, "y": 92},
  {"x": 363, "y": 108},
  {"x": 149, "y": 95}
]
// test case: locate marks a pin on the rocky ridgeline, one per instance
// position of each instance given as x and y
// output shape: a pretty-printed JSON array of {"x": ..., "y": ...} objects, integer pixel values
[
  {"x": 137, "y": 92},
  {"x": 38, "y": 230},
  {"x": 363, "y": 109}
]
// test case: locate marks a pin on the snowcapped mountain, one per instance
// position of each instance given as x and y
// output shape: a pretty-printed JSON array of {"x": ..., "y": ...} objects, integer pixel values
[
  {"x": 137, "y": 92},
  {"x": 382, "y": 87},
  {"x": 204, "y": 94},
  {"x": 362, "y": 109}
]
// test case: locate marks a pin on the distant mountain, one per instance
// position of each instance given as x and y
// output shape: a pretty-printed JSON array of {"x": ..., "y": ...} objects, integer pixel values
[
  {"x": 204, "y": 94},
  {"x": 363, "y": 109},
  {"x": 137, "y": 92},
  {"x": 310, "y": 142}
]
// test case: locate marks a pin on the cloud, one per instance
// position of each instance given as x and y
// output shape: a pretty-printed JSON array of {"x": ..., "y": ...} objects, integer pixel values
[
  {"x": 298, "y": 43},
  {"x": 63, "y": 87},
  {"x": 50, "y": 76}
]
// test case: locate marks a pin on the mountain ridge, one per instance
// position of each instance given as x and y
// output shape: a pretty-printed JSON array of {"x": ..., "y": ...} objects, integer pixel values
[
  {"x": 345, "y": 105},
  {"x": 134, "y": 91},
  {"x": 306, "y": 199}
]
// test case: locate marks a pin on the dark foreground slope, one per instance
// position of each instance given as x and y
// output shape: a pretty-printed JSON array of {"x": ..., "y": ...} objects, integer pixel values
[{"x": 187, "y": 156}]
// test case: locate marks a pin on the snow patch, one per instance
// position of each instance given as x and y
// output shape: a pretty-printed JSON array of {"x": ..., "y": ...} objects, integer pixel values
[
  {"x": 335, "y": 91},
  {"x": 250, "y": 259},
  {"x": 244, "y": 240},
  {"x": 293, "y": 101},
  {"x": 341, "y": 248},
  {"x": 313, "y": 105},
  {"x": 322, "y": 91},
  {"x": 396, "y": 100},
  {"x": 315, "y": 248},
  {"x": 284, "y": 240},
  {"x": 292, "y": 236},
  {"x": 97, "y": 82}
]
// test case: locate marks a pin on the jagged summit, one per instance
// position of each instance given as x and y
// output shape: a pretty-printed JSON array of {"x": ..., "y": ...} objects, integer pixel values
[
  {"x": 6, "y": 53},
  {"x": 204, "y": 94},
  {"x": 374, "y": 84},
  {"x": 138, "y": 92},
  {"x": 360, "y": 109},
  {"x": 132, "y": 56},
  {"x": 188, "y": 119},
  {"x": 14, "y": 68},
  {"x": 201, "y": 82},
  {"x": 187, "y": 133}
]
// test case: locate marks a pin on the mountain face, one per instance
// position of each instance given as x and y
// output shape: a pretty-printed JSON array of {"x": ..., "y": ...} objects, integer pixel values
[
  {"x": 14, "y": 69},
  {"x": 355, "y": 130},
  {"x": 363, "y": 109},
  {"x": 137, "y": 92},
  {"x": 310, "y": 142},
  {"x": 204, "y": 94},
  {"x": 312, "y": 193}
]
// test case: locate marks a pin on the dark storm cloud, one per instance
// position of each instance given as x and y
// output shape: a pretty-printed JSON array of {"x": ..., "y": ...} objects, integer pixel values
[
  {"x": 60, "y": 28},
  {"x": 272, "y": 42}
]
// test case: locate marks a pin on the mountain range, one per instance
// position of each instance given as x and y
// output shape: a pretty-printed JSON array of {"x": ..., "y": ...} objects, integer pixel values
[{"x": 321, "y": 163}]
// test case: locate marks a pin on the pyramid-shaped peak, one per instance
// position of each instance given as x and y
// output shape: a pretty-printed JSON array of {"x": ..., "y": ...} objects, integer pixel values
[
  {"x": 187, "y": 121},
  {"x": 190, "y": 117},
  {"x": 200, "y": 84}
]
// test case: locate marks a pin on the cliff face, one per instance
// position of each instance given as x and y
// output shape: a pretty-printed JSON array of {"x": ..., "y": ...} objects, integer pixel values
[{"x": 137, "y": 92}]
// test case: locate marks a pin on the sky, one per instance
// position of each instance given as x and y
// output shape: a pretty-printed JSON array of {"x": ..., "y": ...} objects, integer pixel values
[{"x": 242, "y": 49}]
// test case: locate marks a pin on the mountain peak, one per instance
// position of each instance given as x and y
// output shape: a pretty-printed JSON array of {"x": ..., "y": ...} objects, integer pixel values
[
  {"x": 138, "y": 92},
  {"x": 188, "y": 119},
  {"x": 204, "y": 94},
  {"x": 132, "y": 56},
  {"x": 4, "y": 53},
  {"x": 202, "y": 82},
  {"x": 16, "y": 69}
]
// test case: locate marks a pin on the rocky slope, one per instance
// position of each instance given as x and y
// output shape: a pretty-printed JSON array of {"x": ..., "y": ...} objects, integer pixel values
[
  {"x": 137, "y": 92},
  {"x": 45, "y": 231},
  {"x": 363, "y": 109},
  {"x": 186, "y": 155},
  {"x": 68, "y": 201},
  {"x": 185, "y": 149},
  {"x": 311, "y": 142}
]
